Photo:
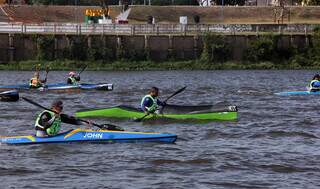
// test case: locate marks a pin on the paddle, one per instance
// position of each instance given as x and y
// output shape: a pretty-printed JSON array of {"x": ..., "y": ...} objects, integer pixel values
[
  {"x": 174, "y": 94},
  {"x": 47, "y": 71},
  {"x": 82, "y": 69},
  {"x": 103, "y": 126},
  {"x": 11, "y": 96}
]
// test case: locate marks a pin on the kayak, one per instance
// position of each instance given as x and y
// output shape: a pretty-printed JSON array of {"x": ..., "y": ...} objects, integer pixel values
[
  {"x": 9, "y": 96},
  {"x": 100, "y": 136},
  {"x": 61, "y": 86},
  {"x": 82, "y": 86},
  {"x": 298, "y": 93},
  {"x": 206, "y": 112}
]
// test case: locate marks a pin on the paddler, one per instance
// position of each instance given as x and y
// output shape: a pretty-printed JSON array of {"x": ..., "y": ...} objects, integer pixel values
[
  {"x": 48, "y": 123},
  {"x": 149, "y": 103},
  {"x": 315, "y": 83},
  {"x": 73, "y": 79},
  {"x": 36, "y": 82}
]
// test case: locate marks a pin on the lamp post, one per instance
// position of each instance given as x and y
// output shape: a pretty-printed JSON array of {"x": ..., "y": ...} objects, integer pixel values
[
  {"x": 75, "y": 11},
  {"x": 222, "y": 4}
]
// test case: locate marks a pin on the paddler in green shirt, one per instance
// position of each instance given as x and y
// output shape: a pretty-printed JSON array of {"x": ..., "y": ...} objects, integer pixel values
[
  {"x": 73, "y": 79},
  {"x": 48, "y": 123},
  {"x": 150, "y": 103}
]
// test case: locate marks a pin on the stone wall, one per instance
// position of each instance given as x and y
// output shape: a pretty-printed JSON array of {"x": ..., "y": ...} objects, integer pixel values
[{"x": 16, "y": 47}]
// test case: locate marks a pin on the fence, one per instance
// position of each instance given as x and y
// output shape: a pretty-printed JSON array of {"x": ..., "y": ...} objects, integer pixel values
[{"x": 153, "y": 29}]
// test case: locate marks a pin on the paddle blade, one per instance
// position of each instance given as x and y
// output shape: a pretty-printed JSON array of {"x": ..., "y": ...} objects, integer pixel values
[
  {"x": 177, "y": 92},
  {"x": 85, "y": 67},
  {"x": 140, "y": 119},
  {"x": 111, "y": 127},
  {"x": 9, "y": 96},
  {"x": 137, "y": 119},
  {"x": 47, "y": 69},
  {"x": 180, "y": 90}
]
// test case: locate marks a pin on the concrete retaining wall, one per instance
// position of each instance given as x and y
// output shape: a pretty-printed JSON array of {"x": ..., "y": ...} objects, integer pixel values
[{"x": 15, "y": 47}]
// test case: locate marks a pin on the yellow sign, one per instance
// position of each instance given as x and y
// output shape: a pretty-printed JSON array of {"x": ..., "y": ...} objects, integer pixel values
[{"x": 96, "y": 12}]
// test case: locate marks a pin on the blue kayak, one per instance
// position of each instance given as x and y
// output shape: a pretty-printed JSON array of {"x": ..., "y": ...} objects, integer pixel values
[
  {"x": 61, "y": 86},
  {"x": 100, "y": 136},
  {"x": 298, "y": 93}
]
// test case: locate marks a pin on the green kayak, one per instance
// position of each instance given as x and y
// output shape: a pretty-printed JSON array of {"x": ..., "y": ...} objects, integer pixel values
[{"x": 206, "y": 112}]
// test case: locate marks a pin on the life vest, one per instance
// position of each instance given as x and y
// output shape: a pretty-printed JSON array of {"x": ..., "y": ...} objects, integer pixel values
[
  {"x": 73, "y": 80},
  {"x": 35, "y": 82},
  {"x": 154, "y": 106},
  {"x": 55, "y": 124},
  {"x": 314, "y": 85}
]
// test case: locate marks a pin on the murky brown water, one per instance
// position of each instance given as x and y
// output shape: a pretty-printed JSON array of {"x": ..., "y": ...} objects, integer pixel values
[{"x": 274, "y": 144}]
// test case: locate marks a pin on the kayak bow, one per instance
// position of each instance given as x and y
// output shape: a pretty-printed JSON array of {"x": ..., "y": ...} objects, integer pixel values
[
  {"x": 208, "y": 112},
  {"x": 100, "y": 136}
]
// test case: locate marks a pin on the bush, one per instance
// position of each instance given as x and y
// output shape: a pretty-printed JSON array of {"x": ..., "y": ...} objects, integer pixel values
[
  {"x": 261, "y": 49},
  {"x": 78, "y": 48},
  {"x": 45, "y": 46},
  {"x": 215, "y": 48}
]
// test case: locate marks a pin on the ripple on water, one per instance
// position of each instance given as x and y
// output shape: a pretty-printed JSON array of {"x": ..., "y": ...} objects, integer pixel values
[{"x": 274, "y": 143}]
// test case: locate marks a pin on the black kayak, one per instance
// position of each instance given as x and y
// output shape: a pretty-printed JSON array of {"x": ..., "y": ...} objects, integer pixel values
[{"x": 9, "y": 96}]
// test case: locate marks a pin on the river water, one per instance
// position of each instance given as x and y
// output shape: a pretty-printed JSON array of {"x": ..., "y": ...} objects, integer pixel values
[{"x": 273, "y": 144}]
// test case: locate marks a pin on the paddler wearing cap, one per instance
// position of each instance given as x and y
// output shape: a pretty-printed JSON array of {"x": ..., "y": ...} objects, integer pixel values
[
  {"x": 48, "y": 123},
  {"x": 73, "y": 78}
]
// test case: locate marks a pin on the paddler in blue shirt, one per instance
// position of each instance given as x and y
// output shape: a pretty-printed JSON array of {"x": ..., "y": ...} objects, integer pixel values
[
  {"x": 315, "y": 83},
  {"x": 48, "y": 123},
  {"x": 36, "y": 82},
  {"x": 149, "y": 103},
  {"x": 73, "y": 79}
]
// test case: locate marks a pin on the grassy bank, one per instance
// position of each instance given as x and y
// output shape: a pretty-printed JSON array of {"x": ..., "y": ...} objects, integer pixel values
[{"x": 149, "y": 65}]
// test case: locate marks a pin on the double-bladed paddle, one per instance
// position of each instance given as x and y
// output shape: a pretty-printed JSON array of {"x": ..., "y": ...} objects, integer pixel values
[
  {"x": 11, "y": 96},
  {"x": 103, "y": 126},
  {"x": 164, "y": 103}
]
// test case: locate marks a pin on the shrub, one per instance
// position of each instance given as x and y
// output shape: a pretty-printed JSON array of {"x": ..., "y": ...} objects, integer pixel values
[{"x": 215, "y": 48}]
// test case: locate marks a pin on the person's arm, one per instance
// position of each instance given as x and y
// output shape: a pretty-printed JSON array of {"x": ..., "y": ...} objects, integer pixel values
[
  {"x": 77, "y": 78},
  {"x": 69, "y": 81},
  {"x": 145, "y": 105},
  {"x": 70, "y": 120},
  {"x": 43, "y": 81},
  {"x": 160, "y": 103},
  {"x": 45, "y": 120}
]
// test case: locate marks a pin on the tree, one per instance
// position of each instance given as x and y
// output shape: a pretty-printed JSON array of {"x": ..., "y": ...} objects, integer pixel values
[{"x": 310, "y": 2}]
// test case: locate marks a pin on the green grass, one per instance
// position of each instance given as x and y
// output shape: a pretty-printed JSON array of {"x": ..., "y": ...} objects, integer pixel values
[{"x": 149, "y": 65}]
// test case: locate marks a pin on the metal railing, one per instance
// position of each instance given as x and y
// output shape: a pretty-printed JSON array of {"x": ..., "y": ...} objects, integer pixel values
[{"x": 152, "y": 29}]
